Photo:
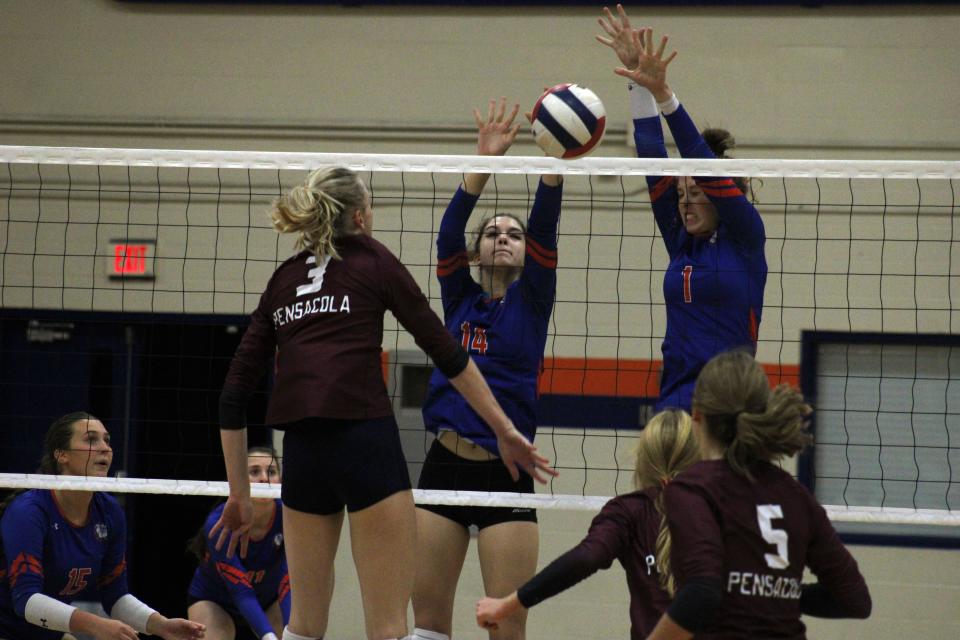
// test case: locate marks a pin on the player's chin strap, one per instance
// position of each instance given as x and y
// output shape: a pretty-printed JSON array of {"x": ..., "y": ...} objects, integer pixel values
[
  {"x": 132, "y": 612},
  {"x": 48, "y": 612}
]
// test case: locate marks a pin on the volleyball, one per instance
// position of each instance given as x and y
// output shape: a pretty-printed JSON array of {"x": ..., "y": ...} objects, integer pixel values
[{"x": 568, "y": 121}]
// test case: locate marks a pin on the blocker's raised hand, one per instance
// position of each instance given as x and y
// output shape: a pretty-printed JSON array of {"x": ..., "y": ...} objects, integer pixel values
[
  {"x": 651, "y": 70},
  {"x": 620, "y": 38},
  {"x": 497, "y": 132}
]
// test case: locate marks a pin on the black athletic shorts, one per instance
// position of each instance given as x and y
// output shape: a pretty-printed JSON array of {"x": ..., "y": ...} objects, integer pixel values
[
  {"x": 331, "y": 464},
  {"x": 444, "y": 469}
]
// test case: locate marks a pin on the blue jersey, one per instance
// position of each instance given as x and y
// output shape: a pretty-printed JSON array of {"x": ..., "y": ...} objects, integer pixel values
[
  {"x": 246, "y": 586},
  {"x": 713, "y": 287},
  {"x": 45, "y": 553},
  {"x": 505, "y": 336}
]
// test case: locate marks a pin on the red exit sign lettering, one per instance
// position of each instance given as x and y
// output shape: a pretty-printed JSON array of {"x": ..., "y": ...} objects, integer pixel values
[{"x": 132, "y": 258}]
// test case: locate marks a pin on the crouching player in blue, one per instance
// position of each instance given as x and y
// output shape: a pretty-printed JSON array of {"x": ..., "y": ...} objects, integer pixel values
[
  {"x": 65, "y": 545},
  {"x": 245, "y": 598},
  {"x": 502, "y": 322},
  {"x": 714, "y": 236}
]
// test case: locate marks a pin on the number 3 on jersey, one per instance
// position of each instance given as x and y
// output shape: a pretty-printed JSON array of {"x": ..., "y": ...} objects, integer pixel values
[
  {"x": 475, "y": 340},
  {"x": 766, "y": 513}
]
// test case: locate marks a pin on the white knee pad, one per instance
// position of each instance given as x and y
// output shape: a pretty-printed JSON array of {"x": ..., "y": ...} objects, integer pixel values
[
  {"x": 426, "y": 634},
  {"x": 290, "y": 635}
]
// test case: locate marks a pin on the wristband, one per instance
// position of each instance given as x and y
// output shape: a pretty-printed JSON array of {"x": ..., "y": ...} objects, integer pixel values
[
  {"x": 269, "y": 636},
  {"x": 669, "y": 106},
  {"x": 642, "y": 102},
  {"x": 48, "y": 612},
  {"x": 132, "y": 612}
]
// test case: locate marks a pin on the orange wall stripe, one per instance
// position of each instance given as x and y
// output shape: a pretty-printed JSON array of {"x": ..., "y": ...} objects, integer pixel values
[{"x": 618, "y": 378}]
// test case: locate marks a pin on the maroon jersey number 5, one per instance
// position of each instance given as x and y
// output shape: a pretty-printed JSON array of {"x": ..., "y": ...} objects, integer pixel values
[{"x": 766, "y": 513}]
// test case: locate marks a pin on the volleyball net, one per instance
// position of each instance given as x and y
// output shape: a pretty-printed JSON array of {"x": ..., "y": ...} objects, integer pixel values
[{"x": 126, "y": 277}]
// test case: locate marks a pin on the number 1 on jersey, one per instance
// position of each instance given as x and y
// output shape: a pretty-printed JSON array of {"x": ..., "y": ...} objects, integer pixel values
[{"x": 687, "y": 294}]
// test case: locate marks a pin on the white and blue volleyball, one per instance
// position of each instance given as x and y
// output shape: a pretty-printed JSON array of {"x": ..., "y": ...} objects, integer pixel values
[{"x": 568, "y": 121}]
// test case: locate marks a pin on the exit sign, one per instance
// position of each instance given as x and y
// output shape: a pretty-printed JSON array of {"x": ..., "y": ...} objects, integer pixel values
[{"x": 131, "y": 258}]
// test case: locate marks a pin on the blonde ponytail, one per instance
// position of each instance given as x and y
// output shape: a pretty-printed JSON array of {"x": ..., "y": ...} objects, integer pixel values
[
  {"x": 665, "y": 447},
  {"x": 320, "y": 210}
]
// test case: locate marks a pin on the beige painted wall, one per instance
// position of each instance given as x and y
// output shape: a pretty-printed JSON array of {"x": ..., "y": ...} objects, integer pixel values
[
  {"x": 790, "y": 82},
  {"x": 847, "y": 80}
]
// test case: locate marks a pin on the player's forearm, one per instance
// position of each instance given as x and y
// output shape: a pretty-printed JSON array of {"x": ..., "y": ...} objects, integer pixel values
[
  {"x": 511, "y": 605},
  {"x": 155, "y": 624},
  {"x": 473, "y": 183},
  {"x": 83, "y": 622},
  {"x": 234, "y": 443}
]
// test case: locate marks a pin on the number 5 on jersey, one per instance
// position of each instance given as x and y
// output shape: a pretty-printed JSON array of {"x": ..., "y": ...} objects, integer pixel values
[
  {"x": 766, "y": 513},
  {"x": 475, "y": 340}
]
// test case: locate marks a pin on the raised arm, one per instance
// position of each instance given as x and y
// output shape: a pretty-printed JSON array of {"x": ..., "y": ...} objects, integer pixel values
[
  {"x": 495, "y": 134},
  {"x": 539, "y": 277},
  {"x": 733, "y": 207},
  {"x": 628, "y": 43}
]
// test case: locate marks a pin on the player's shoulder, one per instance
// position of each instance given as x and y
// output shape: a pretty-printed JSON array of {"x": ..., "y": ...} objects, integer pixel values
[
  {"x": 31, "y": 501},
  {"x": 363, "y": 252},
  {"x": 286, "y": 270},
  {"x": 633, "y": 503},
  {"x": 775, "y": 479},
  {"x": 703, "y": 473},
  {"x": 108, "y": 504},
  {"x": 362, "y": 243}
]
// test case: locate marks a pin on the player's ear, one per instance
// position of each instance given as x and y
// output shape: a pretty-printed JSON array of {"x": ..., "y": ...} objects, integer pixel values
[{"x": 358, "y": 219}]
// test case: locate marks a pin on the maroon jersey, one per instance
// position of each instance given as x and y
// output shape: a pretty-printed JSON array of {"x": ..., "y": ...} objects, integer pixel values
[
  {"x": 324, "y": 325},
  {"x": 625, "y": 530},
  {"x": 756, "y": 538}
]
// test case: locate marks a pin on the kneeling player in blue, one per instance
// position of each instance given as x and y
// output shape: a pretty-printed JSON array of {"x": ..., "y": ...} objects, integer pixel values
[
  {"x": 502, "y": 322},
  {"x": 744, "y": 529},
  {"x": 630, "y": 528},
  {"x": 244, "y": 597},
  {"x": 60, "y": 546},
  {"x": 714, "y": 236}
]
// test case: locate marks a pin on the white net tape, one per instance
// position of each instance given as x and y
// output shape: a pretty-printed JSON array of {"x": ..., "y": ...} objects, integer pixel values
[
  {"x": 886, "y": 515},
  {"x": 897, "y": 169}
]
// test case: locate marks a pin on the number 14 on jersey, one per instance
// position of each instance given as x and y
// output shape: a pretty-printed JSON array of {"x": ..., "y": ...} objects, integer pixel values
[{"x": 474, "y": 339}]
